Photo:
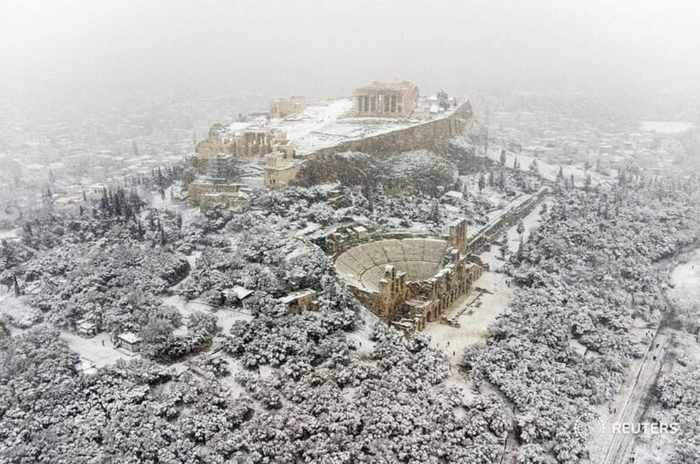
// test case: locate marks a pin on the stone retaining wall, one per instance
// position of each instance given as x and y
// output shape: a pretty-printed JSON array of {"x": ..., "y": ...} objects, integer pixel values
[{"x": 432, "y": 135}]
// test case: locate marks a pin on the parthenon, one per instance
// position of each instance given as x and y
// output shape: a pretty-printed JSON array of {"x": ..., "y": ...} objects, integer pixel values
[{"x": 386, "y": 99}]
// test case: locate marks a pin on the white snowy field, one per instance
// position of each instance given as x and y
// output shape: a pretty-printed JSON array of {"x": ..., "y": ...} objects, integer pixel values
[
  {"x": 666, "y": 127},
  {"x": 547, "y": 170},
  {"x": 9, "y": 234},
  {"x": 95, "y": 352},
  {"x": 686, "y": 283},
  {"x": 226, "y": 317}
]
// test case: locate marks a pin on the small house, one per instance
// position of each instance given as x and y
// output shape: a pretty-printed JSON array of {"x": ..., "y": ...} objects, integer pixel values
[
  {"x": 299, "y": 301},
  {"x": 130, "y": 341},
  {"x": 237, "y": 294},
  {"x": 87, "y": 329}
]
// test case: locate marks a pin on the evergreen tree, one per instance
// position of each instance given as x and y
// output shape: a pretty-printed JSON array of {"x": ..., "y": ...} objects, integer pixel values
[
  {"x": 435, "y": 212},
  {"x": 15, "y": 285},
  {"x": 519, "y": 253},
  {"x": 482, "y": 182},
  {"x": 504, "y": 248},
  {"x": 534, "y": 167},
  {"x": 501, "y": 180},
  {"x": 503, "y": 157}
]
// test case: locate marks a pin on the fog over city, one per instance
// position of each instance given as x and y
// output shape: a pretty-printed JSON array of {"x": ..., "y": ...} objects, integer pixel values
[
  {"x": 343, "y": 232},
  {"x": 323, "y": 48}
]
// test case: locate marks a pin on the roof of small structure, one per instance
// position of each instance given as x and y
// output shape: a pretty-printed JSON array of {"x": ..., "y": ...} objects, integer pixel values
[
  {"x": 129, "y": 337},
  {"x": 297, "y": 295},
  {"x": 240, "y": 292}
]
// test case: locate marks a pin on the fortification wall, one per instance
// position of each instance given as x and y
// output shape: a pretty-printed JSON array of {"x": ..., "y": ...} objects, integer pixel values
[
  {"x": 432, "y": 135},
  {"x": 491, "y": 231}
]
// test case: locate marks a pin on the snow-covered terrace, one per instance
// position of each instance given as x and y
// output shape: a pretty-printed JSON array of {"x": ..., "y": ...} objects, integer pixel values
[{"x": 330, "y": 123}]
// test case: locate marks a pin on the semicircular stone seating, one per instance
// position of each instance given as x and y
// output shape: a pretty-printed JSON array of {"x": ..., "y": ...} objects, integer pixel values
[{"x": 363, "y": 266}]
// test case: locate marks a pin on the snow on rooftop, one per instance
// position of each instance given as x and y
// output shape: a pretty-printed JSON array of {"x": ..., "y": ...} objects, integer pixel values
[{"x": 129, "y": 337}]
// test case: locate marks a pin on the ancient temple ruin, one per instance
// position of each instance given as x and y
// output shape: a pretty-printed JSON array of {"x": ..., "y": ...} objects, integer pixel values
[
  {"x": 247, "y": 143},
  {"x": 283, "y": 107},
  {"x": 386, "y": 99}
]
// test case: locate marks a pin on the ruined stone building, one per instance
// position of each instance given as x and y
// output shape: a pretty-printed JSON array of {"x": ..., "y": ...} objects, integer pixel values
[
  {"x": 386, "y": 99},
  {"x": 216, "y": 187},
  {"x": 281, "y": 167},
  {"x": 286, "y": 144},
  {"x": 283, "y": 107},
  {"x": 249, "y": 143},
  {"x": 411, "y": 281}
]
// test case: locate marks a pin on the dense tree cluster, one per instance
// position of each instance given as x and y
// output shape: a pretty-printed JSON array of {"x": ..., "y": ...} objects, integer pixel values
[
  {"x": 98, "y": 280},
  {"x": 386, "y": 407},
  {"x": 257, "y": 255},
  {"x": 130, "y": 413},
  {"x": 679, "y": 394},
  {"x": 585, "y": 274},
  {"x": 332, "y": 385},
  {"x": 161, "y": 344}
]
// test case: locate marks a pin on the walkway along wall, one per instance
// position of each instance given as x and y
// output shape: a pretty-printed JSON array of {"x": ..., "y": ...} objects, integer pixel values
[{"x": 490, "y": 232}]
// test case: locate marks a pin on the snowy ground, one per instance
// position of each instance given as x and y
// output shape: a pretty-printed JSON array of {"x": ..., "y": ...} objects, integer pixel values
[
  {"x": 548, "y": 171},
  {"x": 9, "y": 234},
  {"x": 14, "y": 307},
  {"x": 361, "y": 336},
  {"x": 225, "y": 316},
  {"x": 666, "y": 127},
  {"x": 95, "y": 352},
  {"x": 686, "y": 283}
]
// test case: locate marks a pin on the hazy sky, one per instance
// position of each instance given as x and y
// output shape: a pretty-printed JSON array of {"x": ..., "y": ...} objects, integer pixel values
[{"x": 325, "y": 48}]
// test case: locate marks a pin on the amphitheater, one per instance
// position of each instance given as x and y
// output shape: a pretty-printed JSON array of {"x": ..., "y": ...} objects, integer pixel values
[
  {"x": 410, "y": 281},
  {"x": 418, "y": 258}
]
